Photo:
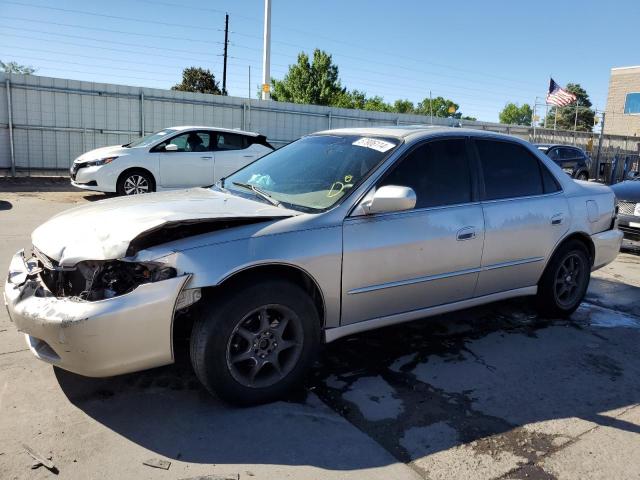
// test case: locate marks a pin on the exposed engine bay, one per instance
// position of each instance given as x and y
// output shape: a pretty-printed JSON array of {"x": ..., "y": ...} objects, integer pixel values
[{"x": 98, "y": 280}]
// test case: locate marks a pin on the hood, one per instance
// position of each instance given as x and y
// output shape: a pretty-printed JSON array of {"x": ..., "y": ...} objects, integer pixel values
[
  {"x": 102, "y": 153},
  {"x": 105, "y": 229},
  {"x": 629, "y": 190}
]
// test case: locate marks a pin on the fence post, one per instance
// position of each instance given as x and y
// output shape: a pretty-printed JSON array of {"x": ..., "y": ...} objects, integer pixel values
[
  {"x": 142, "y": 114},
  {"x": 329, "y": 117},
  {"x": 10, "y": 111}
]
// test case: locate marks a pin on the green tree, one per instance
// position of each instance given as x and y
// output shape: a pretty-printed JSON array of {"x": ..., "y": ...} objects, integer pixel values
[
  {"x": 567, "y": 115},
  {"x": 14, "y": 67},
  {"x": 403, "y": 106},
  {"x": 313, "y": 82},
  {"x": 514, "y": 114},
  {"x": 377, "y": 104},
  {"x": 441, "y": 107},
  {"x": 350, "y": 99},
  {"x": 196, "y": 79}
]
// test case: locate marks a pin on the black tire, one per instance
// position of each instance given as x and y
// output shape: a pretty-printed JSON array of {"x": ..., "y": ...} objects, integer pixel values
[
  {"x": 216, "y": 333},
  {"x": 562, "y": 289},
  {"x": 582, "y": 176},
  {"x": 134, "y": 181}
]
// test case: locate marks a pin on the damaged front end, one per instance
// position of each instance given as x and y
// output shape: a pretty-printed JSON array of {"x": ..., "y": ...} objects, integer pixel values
[
  {"x": 98, "y": 280},
  {"x": 97, "y": 318}
]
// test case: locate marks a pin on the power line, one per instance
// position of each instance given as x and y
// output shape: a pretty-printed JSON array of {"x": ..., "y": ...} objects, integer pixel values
[
  {"x": 173, "y": 24},
  {"x": 115, "y": 17},
  {"x": 395, "y": 66},
  {"x": 110, "y": 30}
]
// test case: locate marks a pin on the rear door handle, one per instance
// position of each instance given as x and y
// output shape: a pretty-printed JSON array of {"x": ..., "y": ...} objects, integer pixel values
[
  {"x": 466, "y": 233},
  {"x": 206, "y": 158},
  {"x": 557, "y": 219}
]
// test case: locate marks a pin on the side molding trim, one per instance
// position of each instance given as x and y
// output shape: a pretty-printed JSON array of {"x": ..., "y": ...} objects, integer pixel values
[{"x": 332, "y": 334}]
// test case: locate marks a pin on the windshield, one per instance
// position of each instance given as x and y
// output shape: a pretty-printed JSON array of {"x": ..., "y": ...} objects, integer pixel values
[
  {"x": 151, "y": 138},
  {"x": 314, "y": 172}
]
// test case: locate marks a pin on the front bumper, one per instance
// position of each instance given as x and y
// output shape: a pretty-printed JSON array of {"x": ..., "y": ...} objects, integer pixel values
[
  {"x": 630, "y": 226},
  {"x": 108, "y": 337},
  {"x": 607, "y": 246},
  {"x": 100, "y": 178},
  {"x": 87, "y": 186}
]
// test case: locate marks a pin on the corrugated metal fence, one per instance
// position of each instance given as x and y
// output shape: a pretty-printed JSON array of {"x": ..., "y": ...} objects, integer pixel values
[{"x": 55, "y": 120}]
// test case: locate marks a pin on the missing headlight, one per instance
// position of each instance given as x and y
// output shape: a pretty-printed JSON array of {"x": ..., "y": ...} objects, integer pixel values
[{"x": 98, "y": 280}]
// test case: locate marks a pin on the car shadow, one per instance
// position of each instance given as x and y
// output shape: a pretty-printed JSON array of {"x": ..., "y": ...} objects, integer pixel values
[
  {"x": 96, "y": 196},
  {"x": 4, "y": 205},
  {"x": 465, "y": 378}
]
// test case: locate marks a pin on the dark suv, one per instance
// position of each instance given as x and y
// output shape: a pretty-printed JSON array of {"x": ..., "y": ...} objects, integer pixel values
[{"x": 573, "y": 160}]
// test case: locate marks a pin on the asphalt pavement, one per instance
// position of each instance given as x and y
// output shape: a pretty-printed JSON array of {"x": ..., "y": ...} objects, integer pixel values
[{"x": 489, "y": 392}]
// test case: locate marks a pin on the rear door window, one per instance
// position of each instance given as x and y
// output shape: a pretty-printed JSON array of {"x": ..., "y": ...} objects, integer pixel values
[
  {"x": 509, "y": 170},
  {"x": 230, "y": 141}
]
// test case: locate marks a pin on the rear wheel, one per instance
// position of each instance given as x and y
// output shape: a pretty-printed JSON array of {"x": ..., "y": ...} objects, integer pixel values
[
  {"x": 257, "y": 342},
  {"x": 135, "y": 182},
  {"x": 582, "y": 176},
  {"x": 565, "y": 280}
]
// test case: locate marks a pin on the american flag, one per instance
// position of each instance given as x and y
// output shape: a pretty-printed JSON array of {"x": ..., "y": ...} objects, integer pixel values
[{"x": 558, "y": 96}]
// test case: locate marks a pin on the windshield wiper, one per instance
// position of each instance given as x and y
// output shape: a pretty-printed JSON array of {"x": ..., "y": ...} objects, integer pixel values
[{"x": 259, "y": 192}]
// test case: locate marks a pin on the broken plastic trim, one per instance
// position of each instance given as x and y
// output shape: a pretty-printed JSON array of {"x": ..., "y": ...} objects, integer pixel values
[{"x": 171, "y": 231}]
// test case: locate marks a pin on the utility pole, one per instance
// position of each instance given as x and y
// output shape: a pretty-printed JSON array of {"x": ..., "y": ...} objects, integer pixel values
[
  {"x": 430, "y": 108},
  {"x": 266, "y": 52},
  {"x": 533, "y": 119},
  {"x": 599, "y": 147},
  {"x": 226, "y": 44},
  {"x": 249, "y": 90}
]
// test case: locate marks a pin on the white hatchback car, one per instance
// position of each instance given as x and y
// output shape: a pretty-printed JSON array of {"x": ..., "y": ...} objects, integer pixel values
[{"x": 176, "y": 157}]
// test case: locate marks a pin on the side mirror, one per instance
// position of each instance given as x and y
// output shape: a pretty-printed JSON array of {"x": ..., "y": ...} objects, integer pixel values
[
  {"x": 390, "y": 198},
  {"x": 172, "y": 147}
]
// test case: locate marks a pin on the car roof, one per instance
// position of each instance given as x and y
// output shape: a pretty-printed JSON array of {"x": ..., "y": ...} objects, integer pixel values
[
  {"x": 215, "y": 129},
  {"x": 415, "y": 132},
  {"x": 549, "y": 145}
]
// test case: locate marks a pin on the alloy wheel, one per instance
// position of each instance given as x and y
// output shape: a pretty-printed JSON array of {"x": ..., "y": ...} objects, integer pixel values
[
  {"x": 569, "y": 280},
  {"x": 265, "y": 346},
  {"x": 136, "y": 184}
]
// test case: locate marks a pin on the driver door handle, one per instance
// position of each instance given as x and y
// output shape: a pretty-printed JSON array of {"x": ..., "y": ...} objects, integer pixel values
[
  {"x": 557, "y": 219},
  {"x": 206, "y": 158}
]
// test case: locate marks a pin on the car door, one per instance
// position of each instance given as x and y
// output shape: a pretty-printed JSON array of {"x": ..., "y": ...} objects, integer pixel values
[
  {"x": 525, "y": 215},
  {"x": 191, "y": 165},
  {"x": 430, "y": 255},
  {"x": 232, "y": 152},
  {"x": 569, "y": 160}
]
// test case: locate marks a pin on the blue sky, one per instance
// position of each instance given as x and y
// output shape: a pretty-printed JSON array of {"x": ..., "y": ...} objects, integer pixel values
[{"x": 479, "y": 54}]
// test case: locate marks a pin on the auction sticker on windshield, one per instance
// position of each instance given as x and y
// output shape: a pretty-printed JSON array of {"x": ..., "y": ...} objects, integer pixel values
[{"x": 374, "y": 143}]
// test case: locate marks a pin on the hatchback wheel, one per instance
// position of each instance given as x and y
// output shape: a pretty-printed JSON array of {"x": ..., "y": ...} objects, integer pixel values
[
  {"x": 564, "y": 283},
  {"x": 582, "y": 176},
  {"x": 135, "y": 182},
  {"x": 256, "y": 343}
]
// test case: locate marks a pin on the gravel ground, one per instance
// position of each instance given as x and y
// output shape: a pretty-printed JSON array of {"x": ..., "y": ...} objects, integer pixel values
[{"x": 490, "y": 392}]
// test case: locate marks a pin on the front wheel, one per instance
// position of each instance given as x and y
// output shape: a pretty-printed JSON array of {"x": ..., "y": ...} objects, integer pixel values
[
  {"x": 583, "y": 176},
  {"x": 135, "y": 182},
  {"x": 565, "y": 280},
  {"x": 252, "y": 344}
]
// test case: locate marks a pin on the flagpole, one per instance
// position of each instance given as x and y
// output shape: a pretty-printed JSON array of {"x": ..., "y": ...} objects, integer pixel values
[
  {"x": 555, "y": 119},
  {"x": 575, "y": 122}
]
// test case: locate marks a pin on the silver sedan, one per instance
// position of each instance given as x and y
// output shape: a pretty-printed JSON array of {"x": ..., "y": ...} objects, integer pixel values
[{"x": 337, "y": 233}]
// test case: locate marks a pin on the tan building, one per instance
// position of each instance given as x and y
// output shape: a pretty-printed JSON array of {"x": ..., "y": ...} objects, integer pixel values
[{"x": 623, "y": 102}]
